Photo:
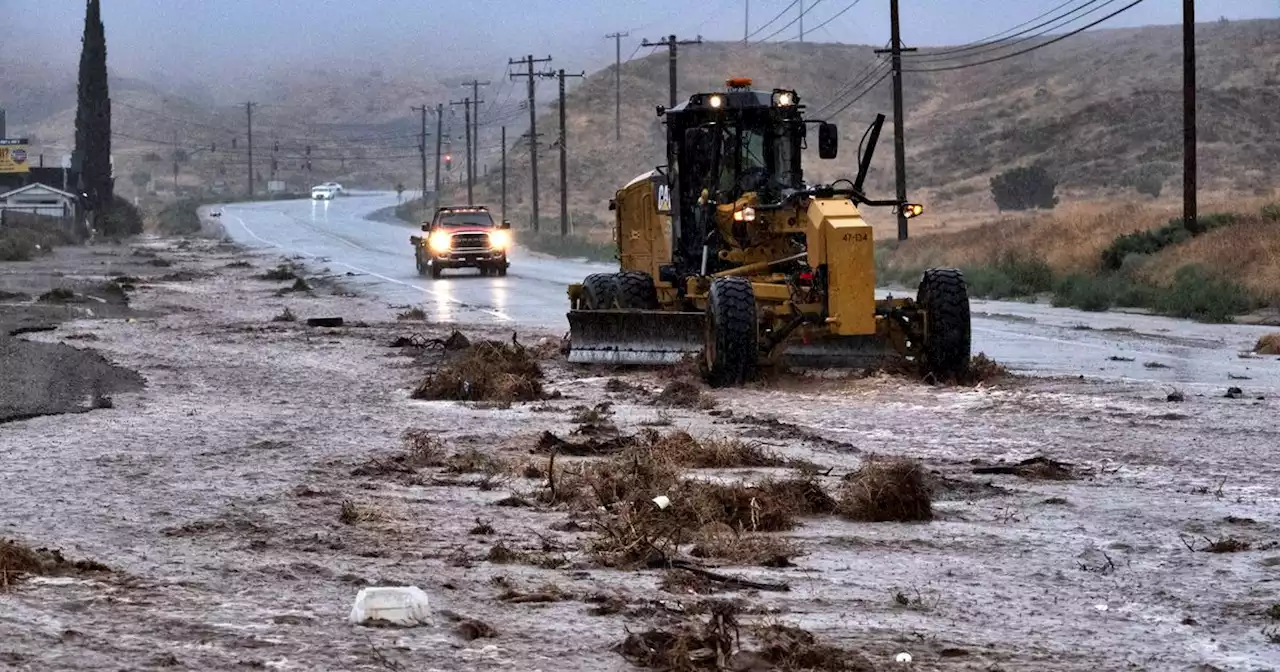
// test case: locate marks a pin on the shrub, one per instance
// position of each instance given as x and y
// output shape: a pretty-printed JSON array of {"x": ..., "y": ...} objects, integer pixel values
[
  {"x": 120, "y": 218},
  {"x": 13, "y": 248},
  {"x": 1154, "y": 240},
  {"x": 569, "y": 246},
  {"x": 1024, "y": 188},
  {"x": 1149, "y": 184},
  {"x": 1013, "y": 275},
  {"x": 180, "y": 218},
  {"x": 1271, "y": 212},
  {"x": 1199, "y": 294},
  {"x": 1096, "y": 293}
]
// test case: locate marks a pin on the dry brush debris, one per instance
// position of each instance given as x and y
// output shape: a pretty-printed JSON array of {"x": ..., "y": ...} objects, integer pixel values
[
  {"x": 1268, "y": 344},
  {"x": 886, "y": 489},
  {"x": 485, "y": 371},
  {"x": 17, "y": 560}
]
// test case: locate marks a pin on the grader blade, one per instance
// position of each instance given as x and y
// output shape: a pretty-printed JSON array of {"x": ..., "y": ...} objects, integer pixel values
[
  {"x": 838, "y": 352},
  {"x": 641, "y": 337}
]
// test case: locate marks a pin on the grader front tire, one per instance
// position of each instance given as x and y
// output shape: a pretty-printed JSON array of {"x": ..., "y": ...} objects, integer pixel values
[
  {"x": 599, "y": 291},
  {"x": 637, "y": 291},
  {"x": 731, "y": 348}
]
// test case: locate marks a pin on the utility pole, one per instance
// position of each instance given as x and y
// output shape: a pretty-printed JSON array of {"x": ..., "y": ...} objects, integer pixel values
[
  {"x": 504, "y": 173},
  {"x": 671, "y": 44},
  {"x": 617, "y": 84},
  {"x": 175, "y": 162},
  {"x": 435, "y": 196},
  {"x": 899, "y": 143},
  {"x": 564, "y": 160},
  {"x": 746, "y": 22},
  {"x": 1189, "y": 214},
  {"x": 466, "y": 123},
  {"x": 475, "y": 100},
  {"x": 248, "y": 111},
  {"x": 422, "y": 152},
  {"x": 802, "y": 21},
  {"x": 533, "y": 125},
  {"x": 2, "y": 123}
]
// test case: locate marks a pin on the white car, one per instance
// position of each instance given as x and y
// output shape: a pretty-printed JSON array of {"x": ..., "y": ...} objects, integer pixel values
[
  {"x": 323, "y": 192},
  {"x": 336, "y": 187}
]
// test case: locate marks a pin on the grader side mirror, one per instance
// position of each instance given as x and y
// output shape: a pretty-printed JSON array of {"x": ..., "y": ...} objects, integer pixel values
[
  {"x": 426, "y": 227},
  {"x": 828, "y": 140}
]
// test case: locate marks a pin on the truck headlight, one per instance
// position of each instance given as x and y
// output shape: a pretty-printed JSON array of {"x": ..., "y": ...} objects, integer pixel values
[
  {"x": 439, "y": 242},
  {"x": 500, "y": 239}
]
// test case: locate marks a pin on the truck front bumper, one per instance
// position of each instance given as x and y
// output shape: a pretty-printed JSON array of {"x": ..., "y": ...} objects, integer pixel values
[{"x": 469, "y": 259}]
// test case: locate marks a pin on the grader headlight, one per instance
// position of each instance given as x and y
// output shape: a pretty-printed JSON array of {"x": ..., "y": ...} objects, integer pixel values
[
  {"x": 784, "y": 99},
  {"x": 716, "y": 102},
  {"x": 747, "y": 214}
]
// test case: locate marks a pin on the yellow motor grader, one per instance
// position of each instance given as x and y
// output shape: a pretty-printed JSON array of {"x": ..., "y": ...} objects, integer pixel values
[{"x": 727, "y": 252}]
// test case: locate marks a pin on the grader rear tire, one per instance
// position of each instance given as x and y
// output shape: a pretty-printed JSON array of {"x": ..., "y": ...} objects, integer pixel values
[
  {"x": 731, "y": 347},
  {"x": 636, "y": 291},
  {"x": 947, "y": 334},
  {"x": 599, "y": 291}
]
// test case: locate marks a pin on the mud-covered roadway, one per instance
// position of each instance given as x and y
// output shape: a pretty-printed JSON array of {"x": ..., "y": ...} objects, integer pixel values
[{"x": 234, "y": 501}]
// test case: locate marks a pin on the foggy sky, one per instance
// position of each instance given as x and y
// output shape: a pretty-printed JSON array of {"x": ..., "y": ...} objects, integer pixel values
[{"x": 217, "y": 40}]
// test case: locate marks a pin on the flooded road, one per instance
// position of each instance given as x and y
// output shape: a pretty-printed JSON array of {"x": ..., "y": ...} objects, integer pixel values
[{"x": 1029, "y": 338}]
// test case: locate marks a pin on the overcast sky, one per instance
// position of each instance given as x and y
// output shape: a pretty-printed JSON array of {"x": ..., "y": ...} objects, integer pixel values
[{"x": 218, "y": 38}]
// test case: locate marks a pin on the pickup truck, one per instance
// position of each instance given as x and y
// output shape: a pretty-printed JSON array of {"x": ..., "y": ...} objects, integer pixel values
[{"x": 462, "y": 237}]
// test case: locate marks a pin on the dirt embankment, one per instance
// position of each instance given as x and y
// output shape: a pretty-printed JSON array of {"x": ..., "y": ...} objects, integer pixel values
[{"x": 563, "y": 517}]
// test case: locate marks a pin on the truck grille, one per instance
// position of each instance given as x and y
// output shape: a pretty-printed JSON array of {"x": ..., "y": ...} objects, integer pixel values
[{"x": 470, "y": 241}]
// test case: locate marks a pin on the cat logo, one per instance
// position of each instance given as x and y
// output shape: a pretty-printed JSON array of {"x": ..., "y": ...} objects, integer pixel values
[{"x": 664, "y": 198}]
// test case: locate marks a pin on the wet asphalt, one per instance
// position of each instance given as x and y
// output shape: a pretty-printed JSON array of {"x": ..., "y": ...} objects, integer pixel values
[{"x": 1030, "y": 338}]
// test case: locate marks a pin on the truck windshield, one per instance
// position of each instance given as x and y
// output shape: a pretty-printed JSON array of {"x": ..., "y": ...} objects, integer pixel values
[{"x": 464, "y": 219}]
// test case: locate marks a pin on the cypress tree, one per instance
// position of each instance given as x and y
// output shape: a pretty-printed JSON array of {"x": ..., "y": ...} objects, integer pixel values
[{"x": 93, "y": 113}]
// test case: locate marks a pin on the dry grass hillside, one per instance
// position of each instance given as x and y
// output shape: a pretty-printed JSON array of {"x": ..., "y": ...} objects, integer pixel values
[
  {"x": 1096, "y": 109},
  {"x": 1232, "y": 268}
]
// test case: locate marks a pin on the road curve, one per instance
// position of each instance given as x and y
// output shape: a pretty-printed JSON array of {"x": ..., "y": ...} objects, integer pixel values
[{"x": 1032, "y": 338}]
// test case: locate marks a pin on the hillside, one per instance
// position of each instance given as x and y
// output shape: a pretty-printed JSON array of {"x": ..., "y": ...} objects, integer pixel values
[
  {"x": 1096, "y": 109},
  {"x": 359, "y": 125}
]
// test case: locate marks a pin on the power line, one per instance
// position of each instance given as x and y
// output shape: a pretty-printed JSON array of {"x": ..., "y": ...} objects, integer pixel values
[
  {"x": 860, "y": 96},
  {"x": 837, "y": 15},
  {"x": 997, "y": 45},
  {"x": 1030, "y": 49},
  {"x": 799, "y": 17},
  {"x": 997, "y": 37},
  {"x": 768, "y": 23},
  {"x": 858, "y": 80}
]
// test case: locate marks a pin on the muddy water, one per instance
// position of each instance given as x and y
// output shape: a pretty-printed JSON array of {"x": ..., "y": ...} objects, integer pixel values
[{"x": 216, "y": 493}]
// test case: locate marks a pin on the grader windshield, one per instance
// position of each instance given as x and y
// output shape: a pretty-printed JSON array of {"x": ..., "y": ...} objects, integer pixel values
[{"x": 757, "y": 154}]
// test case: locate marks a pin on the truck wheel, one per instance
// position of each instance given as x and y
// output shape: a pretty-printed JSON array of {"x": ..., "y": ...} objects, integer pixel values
[
  {"x": 502, "y": 269},
  {"x": 436, "y": 271},
  {"x": 730, "y": 348},
  {"x": 947, "y": 335},
  {"x": 636, "y": 290},
  {"x": 599, "y": 291},
  {"x": 484, "y": 271}
]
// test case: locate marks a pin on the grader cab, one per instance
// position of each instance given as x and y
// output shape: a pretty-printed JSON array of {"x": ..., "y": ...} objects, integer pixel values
[{"x": 727, "y": 252}]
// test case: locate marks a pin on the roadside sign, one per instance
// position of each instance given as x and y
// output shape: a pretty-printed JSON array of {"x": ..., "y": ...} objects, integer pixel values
[{"x": 13, "y": 156}]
